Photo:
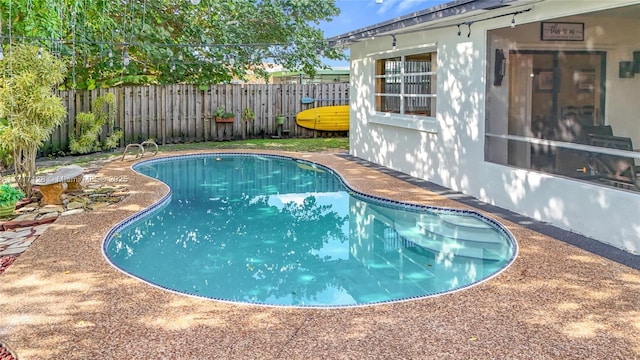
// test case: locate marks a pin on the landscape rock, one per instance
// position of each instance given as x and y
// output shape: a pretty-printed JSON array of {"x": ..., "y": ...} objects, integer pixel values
[
  {"x": 51, "y": 208},
  {"x": 72, "y": 212},
  {"x": 75, "y": 205},
  {"x": 98, "y": 205},
  {"x": 27, "y": 216},
  {"x": 52, "y": 214},
  {"x": 90, "y": 197}
]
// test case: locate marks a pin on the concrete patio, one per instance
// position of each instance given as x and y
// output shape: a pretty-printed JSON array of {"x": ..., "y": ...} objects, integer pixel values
[{"x": 61, "y": 300}]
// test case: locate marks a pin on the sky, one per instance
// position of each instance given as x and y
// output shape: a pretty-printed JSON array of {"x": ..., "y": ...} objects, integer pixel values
[{"x": 356, "y": 14}]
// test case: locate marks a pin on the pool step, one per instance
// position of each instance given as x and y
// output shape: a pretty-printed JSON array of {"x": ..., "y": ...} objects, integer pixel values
[
  {"x": 447, "y": 234},
  {"x": 457, "y": 247},
  {"x": 465, "y": 228}
]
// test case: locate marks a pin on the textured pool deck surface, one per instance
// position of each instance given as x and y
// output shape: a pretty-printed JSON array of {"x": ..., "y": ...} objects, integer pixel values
[{"x": 60, "y": 299}]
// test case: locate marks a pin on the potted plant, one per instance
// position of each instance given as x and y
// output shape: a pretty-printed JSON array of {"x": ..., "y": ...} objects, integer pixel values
[
  {"x": 222, "y": 115},
  {"x": 9, "y": 196},
  {"x": 248, "y": 115}
]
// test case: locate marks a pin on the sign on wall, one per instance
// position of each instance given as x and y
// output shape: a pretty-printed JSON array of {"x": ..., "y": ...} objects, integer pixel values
[{"x": 562, "y": 31}]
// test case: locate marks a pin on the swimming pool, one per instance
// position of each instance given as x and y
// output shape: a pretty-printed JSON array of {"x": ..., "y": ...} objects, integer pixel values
[{"x": 272, "y": 230}]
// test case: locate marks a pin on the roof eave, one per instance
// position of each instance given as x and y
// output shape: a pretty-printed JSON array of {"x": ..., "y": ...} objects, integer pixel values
[{"x": 430, "y": 15}]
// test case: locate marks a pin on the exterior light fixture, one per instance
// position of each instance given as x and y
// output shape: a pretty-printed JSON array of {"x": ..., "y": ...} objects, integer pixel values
[
  {"x": 513, "y": 21},
  {"x": 636, "y": 62},
  {"x": 500, "y": 67},
  {"x": 625, "y": 70},
  {"x": 394, "y": 42}
]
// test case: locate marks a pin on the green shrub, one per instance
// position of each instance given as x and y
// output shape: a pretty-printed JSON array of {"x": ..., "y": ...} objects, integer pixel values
[
  {"x": 6, "y": 153},
  {"x": 89, "y": 127},
  {"x": 9, "y": 195}
]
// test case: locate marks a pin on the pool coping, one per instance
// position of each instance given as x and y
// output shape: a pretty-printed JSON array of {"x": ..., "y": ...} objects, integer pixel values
[{"x": 163, "y": 201}]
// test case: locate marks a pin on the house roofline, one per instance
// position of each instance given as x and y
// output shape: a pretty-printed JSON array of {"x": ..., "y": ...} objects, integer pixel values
[{"x": 432, "y": 14}]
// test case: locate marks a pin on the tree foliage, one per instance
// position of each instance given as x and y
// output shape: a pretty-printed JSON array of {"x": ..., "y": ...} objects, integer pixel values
[
  {"x": 169, "y": 41},
  {"x": 28, "y": 105}
]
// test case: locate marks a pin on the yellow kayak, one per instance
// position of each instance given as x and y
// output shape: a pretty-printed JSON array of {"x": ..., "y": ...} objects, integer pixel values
[{"x": 325, "y": 118}]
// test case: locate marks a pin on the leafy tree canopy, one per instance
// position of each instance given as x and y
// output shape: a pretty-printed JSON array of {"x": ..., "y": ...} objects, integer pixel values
[{"x": 168, "y": 41}]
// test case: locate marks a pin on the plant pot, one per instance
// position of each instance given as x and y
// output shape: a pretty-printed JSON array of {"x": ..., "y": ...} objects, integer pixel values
[
  {"x": 6, "y": 211},
  {"x": 224, "y": 120},
  {"x": 280, "y": 119}
]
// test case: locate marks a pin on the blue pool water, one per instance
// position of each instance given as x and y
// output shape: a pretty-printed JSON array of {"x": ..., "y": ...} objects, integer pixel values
[{"x": 272, "y": 230}]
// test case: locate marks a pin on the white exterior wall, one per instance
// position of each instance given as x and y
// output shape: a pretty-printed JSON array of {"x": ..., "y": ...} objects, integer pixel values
[{"x": 449, "y": 150}]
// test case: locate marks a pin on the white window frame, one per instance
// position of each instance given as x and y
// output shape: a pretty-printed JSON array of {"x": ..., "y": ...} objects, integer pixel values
[{"x": 421, "y": 123}]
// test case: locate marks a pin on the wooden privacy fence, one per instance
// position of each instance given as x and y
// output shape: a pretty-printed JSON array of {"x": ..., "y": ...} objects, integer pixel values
[{"x": 185, "y": 113}]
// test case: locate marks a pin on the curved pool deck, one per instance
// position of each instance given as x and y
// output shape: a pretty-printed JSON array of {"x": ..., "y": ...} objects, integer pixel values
[{"x": 62, "y": 300}]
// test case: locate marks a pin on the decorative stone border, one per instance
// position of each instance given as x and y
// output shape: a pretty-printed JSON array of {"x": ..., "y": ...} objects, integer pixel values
[
  {"x": 15, "y": 224},
  {"x": 6, "y": 353},
  {"x": 20, "y": 231}
]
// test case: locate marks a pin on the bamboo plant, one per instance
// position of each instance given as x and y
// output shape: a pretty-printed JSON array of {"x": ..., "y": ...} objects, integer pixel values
[{"x": 32, "y": 111}]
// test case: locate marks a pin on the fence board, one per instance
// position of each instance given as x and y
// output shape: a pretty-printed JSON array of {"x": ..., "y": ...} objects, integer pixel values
[
  {"x": 264, "y": 108},
  {"x": 174, "y": 134},
  {"x": 68, "y": 127},
  {"x": 144, "y": 113},
  {"x": 249, "y": 97},
  {"x": 198, "y": 137},
  {"x": 78, "y": 107},
  {"x": 236, "y": 105},
  {"x": 180, "y": 116},
  {"x": 104, "y": 130},
  {"x": 126, "y": 111},
  {"x": 163, "y": 114},
  {"x": 137, "y": 114},
  {"x": 120, "y": 111},
  {"x": 190, "y": 119},
  {"x": 207, "y": 114},
  {"x": 152, "y": 120}
]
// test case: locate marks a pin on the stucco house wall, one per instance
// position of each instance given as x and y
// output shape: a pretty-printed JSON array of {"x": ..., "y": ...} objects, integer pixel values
[{"x": 449, "y": 149}]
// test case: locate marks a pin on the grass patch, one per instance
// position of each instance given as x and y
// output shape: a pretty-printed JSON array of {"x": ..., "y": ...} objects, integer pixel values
[
  {"x": 298, "y": 145},
  {"x": 295, "y": 145}
]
